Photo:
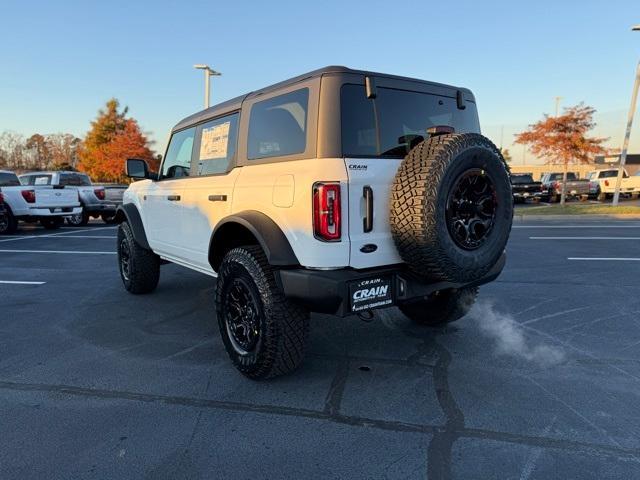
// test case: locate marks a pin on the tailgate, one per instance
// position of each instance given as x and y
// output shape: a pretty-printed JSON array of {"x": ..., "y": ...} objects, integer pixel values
[
  {"x": 375, "y": 247},
  {"x": 56, "y": 197},
  {"x": 114, "y": 194}
]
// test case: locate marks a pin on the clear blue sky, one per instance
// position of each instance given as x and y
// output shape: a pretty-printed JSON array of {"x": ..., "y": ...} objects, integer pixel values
[{"x": 61, "y": 60}]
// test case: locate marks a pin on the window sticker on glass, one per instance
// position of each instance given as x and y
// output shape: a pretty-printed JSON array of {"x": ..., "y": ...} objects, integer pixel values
[
  {"x": 214, "y": 142},
  {"x": 41, "y": 181}
]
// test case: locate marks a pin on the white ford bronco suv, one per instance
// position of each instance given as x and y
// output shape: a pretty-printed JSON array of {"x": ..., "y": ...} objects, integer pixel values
[{"x": 338, "y": 191}]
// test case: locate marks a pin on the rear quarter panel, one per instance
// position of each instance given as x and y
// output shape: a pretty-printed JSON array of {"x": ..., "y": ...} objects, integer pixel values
[{"x": 283, "y": 192}]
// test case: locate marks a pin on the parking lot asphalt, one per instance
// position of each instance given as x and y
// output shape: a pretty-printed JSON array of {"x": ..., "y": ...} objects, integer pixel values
[{"x": 540, "y": 381}]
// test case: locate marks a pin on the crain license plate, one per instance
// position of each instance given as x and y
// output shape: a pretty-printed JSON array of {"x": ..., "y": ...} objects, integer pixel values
[{"x": 371, "y": 293}]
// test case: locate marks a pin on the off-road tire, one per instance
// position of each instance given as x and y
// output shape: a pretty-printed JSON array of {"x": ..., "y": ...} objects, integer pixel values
[
  {"x": 143, "y": 271},
  {"x": 79, "y": 220},
  {"x": 109, "y": 219},
  {"x": 283, "y": 326},
  {"x": 51, "y": 223},
  {"x": 419, "y": 199},
  {"x": 444, "y": 307},
  {"x": 10, "y": 225}
]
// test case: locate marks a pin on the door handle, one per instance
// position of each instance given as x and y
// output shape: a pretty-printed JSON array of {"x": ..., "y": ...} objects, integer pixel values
[
  {"x": 217, "y": 198},
  {"x": 367, "y": 221},
  {"x": 173, "y": 198}
]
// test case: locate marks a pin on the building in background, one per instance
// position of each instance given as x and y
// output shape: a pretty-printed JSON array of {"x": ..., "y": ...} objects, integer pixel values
[{"x": 608, "y": 161}]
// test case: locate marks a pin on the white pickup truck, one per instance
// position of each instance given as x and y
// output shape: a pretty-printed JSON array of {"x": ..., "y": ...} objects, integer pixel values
[
  {"x": 603, "y": 183},
  {"x": 45, "y": 204}
]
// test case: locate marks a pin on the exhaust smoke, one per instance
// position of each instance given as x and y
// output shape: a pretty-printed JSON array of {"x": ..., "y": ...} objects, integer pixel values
[{"x": 509, "y": 336}]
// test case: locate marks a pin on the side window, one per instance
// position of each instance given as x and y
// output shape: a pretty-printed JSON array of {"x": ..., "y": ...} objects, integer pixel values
[
  {"x": 177, "y": 161},
  {"x": 36, "y": 180},
  {"x": 278, "y": 126},
  {"x": 218, "y": 140}
]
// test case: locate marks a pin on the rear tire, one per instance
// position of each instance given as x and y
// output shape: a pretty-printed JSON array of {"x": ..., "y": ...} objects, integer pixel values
[
  {"x": 78, "y": 220},
  {"x": 441, "y": 308},
  {"x": 51, "y": 223},
  {"x": 8, "y": 224},
  {"x": 263, "y": 332},
  {"x": 139, "y": 268},
  {"x": 109, "y": 219}
]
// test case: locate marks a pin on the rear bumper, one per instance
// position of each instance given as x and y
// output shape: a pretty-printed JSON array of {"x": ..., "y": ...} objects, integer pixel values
[
  {"x": 100, "y": 208},
  {"x": 53, "y": 211},
  {"x": 329, "y": 291},
  {"x": 525, "y": 195}
]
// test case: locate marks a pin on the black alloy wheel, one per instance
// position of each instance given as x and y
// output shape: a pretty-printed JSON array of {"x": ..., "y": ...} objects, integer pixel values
[
  {"x": 243, "y": 316},
  {"x": 471, "y": 209}
]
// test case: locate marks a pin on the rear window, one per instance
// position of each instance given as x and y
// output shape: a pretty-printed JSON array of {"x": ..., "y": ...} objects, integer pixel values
[
  {"x": 392, "y": 123},
  {"x": 558, "y": 176},
  {"x": 75, "y": 180},
  {"x": 611, "y": 174},
  {"x": 9, "y": 180},
  {"x": 520, "y": 179},
  {"x": 278, "y": 126}
]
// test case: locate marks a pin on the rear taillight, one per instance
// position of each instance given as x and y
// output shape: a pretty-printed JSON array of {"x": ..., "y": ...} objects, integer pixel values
[
  {"x": 29, "y": 196},
  {"x": 99, "y": 193},
  {"x": 606, "y": 183},
  {"x": 1, "y": 198},
  {"x": 326, "y": 211}
]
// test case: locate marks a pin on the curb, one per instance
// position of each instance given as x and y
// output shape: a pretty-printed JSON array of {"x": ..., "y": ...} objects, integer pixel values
[{"x": 602, "y": 216}]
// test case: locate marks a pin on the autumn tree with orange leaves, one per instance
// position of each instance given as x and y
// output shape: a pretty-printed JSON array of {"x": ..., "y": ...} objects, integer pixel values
[
  {"x": 111, "y": 140},
  {"x": 564, "y": 138}
]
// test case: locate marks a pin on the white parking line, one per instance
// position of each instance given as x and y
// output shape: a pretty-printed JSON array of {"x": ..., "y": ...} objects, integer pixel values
[
  {"x": 16, "y": 282},
  {"x": 605, "y": 259},
  {"x": 49, "y": 235},
  {"x": 58, "y": 251},
  {"x": 584, "y": 238}
]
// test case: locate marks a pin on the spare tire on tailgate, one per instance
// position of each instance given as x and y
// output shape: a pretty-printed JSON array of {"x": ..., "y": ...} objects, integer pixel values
[{"x": 452, "y": 208}]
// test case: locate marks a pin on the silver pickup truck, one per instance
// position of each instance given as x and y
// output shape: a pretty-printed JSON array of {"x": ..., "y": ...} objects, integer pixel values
[
  {"x": 97, "y": 200},
  {"x": 552, "y": 184}
]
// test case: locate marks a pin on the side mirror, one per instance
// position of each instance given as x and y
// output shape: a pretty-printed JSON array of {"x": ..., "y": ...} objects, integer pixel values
[{"x": 138, "y": 169}]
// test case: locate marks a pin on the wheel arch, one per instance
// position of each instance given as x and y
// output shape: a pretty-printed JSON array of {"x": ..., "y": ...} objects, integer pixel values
[
  {"x": 129, "y": 212},
  {"x": 251, "y": 227}
]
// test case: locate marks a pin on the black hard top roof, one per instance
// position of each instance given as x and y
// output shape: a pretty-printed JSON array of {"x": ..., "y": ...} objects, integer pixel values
[{"x": 236, "y": 103}]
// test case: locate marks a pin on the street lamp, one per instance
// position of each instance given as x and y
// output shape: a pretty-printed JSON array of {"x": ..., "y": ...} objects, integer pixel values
[
  {"x": 208, "y": 72},
  {"x": 625, "y": 144}
]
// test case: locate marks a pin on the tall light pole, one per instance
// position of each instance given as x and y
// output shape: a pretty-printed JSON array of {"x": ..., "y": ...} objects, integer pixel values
[
  {"x": 208, "y": 72},
  {"x": 625, "y": 143},
  {"x": 558, "y": 105}
]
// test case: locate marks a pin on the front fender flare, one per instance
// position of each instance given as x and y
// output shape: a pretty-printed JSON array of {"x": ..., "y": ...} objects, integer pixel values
[{"x": 130, "y": 212}]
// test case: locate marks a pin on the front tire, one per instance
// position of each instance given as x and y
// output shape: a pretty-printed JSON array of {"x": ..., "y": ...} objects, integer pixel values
[
  {"x": 442, "y": 307},
  {"x": 263, "y": 333},
  {"x": 139, "y": 268}
]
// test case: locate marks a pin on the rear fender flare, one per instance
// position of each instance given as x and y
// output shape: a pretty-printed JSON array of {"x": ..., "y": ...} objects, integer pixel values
[{"x": 268, "y": 234}]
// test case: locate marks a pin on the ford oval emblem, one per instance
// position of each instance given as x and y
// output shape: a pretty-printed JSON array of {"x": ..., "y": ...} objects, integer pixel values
[{"x": 368, "y": 248}]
